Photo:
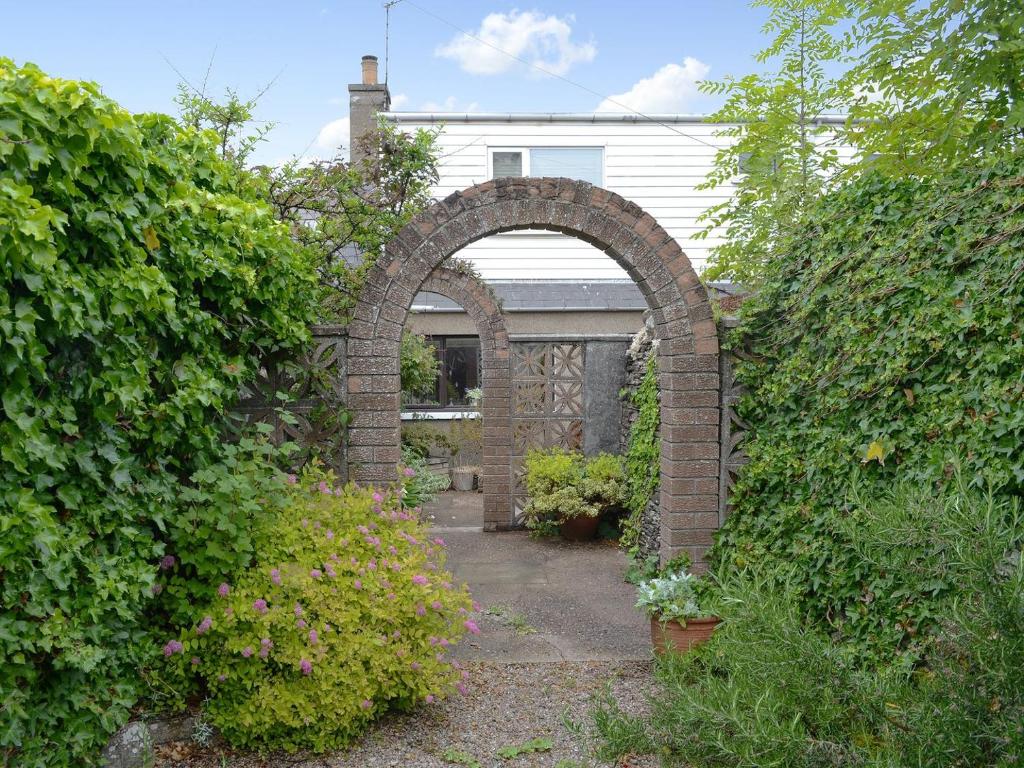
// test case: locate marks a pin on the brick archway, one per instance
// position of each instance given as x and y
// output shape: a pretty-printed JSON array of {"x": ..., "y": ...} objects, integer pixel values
[
  {"x": 482, "y": 307},
  {"x": 688, "y": 349}
]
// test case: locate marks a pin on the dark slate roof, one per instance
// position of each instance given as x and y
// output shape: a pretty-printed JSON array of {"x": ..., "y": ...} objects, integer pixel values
[{"x": 551, "y": 296}]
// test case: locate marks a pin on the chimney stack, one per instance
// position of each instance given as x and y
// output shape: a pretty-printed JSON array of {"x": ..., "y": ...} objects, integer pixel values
[
  {"x": 369, "y": 70},
  {"x": 365, "y": 101}
]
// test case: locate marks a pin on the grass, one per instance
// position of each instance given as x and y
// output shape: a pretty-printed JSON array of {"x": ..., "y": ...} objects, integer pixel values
[
  {"x": 541, "y": 744},
  {"x": 460, "y": 757},
  {"x": 517, "y": 622}
]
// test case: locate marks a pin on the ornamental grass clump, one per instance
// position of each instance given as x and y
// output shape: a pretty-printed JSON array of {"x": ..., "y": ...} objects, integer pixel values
[
  {"x": 347, "y": 613},
  {"x": 771, "y": 688}
]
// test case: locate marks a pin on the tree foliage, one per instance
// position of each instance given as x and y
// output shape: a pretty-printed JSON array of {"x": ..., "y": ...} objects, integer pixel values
[
  {"x": 344, "y": 213},
  {"x": 142, "y": 280},
  {"x": 418, "y": 366},
  {"x": 938, "y": 83},
  {"x": 924, "y": 87},
  {"x": 886, "y": 337},
  {"x": 782, "y": 155},
  {"x": 347, "y": 214}
]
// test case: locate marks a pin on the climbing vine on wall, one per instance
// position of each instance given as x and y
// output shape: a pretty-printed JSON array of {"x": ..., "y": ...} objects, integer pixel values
[
  {"x": 643, "y": 454},
  {"x": 142, "y": 281},
  {"x": 887, "y": 345}
]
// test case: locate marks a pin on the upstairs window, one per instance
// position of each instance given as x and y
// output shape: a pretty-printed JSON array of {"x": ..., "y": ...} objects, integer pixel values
[
  {"x": 507, "y": 164},
  {"x": 583, "y": 163}
]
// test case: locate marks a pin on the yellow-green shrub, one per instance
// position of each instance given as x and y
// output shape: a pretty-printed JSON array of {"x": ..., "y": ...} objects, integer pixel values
[{"x": 347, "y": 613}]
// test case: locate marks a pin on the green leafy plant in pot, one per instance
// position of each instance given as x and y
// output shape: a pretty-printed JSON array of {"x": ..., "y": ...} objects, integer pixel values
[
  {"x": 569, "y": 492},
  {"x": 677, "y": 603}
]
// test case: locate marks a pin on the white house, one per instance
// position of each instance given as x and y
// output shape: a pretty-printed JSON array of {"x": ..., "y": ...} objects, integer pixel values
[
  {"x": 553, "y": 285},
  {"x": 658, "y": 163}
]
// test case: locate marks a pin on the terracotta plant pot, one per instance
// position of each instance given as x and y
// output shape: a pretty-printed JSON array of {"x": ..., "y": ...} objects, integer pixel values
[
  {"x": 579, "y": 529},
  {"x": 672, "y": 636}
]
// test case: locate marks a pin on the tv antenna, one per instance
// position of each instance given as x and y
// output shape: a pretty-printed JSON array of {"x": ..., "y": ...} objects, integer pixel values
[{"x": 387, "y": 34}]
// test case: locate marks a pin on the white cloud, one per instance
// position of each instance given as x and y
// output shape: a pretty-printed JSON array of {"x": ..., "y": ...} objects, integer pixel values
[
  {"x": 544, "y": 41},
  {"x": 333, "y": 139},
  {"x": 669, "y": 90},
  {"x": 399, "y": 100},
  {"x": 451, "y": 104}
]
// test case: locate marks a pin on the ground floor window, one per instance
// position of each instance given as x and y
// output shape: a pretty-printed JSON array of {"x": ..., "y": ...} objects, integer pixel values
[{"x": 458, "y": 371}]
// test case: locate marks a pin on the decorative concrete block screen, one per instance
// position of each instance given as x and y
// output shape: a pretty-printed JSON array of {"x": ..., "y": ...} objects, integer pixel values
[
  {"x": 310, "y": 390},
  {"x": 547, "y": 403},
  {"x": 681, "y": 315}
]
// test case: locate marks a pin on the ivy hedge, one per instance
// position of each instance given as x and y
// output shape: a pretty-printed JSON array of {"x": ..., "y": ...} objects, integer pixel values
[
  {"x": 886, "y": 344},
  {"x": 141, "y": 280}
]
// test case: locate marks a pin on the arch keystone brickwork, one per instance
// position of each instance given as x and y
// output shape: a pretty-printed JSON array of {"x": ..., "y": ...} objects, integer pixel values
[{"x": 688, "y": 360}]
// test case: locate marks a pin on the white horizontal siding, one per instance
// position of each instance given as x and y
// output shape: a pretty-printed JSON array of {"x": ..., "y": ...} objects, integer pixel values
[{"x": 657, "y": 167}]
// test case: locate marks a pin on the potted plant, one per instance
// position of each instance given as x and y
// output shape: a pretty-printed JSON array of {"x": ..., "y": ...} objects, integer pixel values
[
  {"x": 467, "y": 434},
  {"x": 678, "y": 622},
  {"x": 568, "y": 492}
]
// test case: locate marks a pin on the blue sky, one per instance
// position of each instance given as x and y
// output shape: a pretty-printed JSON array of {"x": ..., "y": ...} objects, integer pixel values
[{"x": 646, "y": 53}]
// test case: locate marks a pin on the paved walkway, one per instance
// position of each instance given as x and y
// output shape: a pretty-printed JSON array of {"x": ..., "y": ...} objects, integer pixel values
[{"x": 543, "y": 599}]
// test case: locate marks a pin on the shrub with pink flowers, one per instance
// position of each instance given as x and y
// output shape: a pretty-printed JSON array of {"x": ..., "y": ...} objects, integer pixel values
[{"x": 347, "y": 613}]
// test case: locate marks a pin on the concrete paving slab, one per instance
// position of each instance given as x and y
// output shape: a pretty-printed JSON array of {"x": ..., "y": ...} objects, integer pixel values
[{"x": 542, "y": 599}]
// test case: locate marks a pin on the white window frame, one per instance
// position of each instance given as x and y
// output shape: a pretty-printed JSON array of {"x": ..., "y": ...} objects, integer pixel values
[{"x": 525, "y": 152}]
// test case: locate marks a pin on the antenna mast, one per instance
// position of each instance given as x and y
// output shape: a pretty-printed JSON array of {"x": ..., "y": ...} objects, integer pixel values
[{"x": 387, "y": 33}]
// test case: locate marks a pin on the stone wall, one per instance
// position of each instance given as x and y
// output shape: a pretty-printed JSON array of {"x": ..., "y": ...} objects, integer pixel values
[
  {"x": 732, "y": 428},
  {"x": 644, "y": 345}
]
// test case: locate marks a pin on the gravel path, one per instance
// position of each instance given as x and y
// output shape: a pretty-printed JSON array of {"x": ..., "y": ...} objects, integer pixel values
[
  {"x": 507, "y": 705},
  {"x": 548, "y": 647}
]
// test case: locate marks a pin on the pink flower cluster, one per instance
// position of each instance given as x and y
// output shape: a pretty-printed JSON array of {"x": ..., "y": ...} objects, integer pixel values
[
  {"x": 173, "y": 647},
  {"x": 204, "y": 625},
  {"x": 260, "y": 606}
]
